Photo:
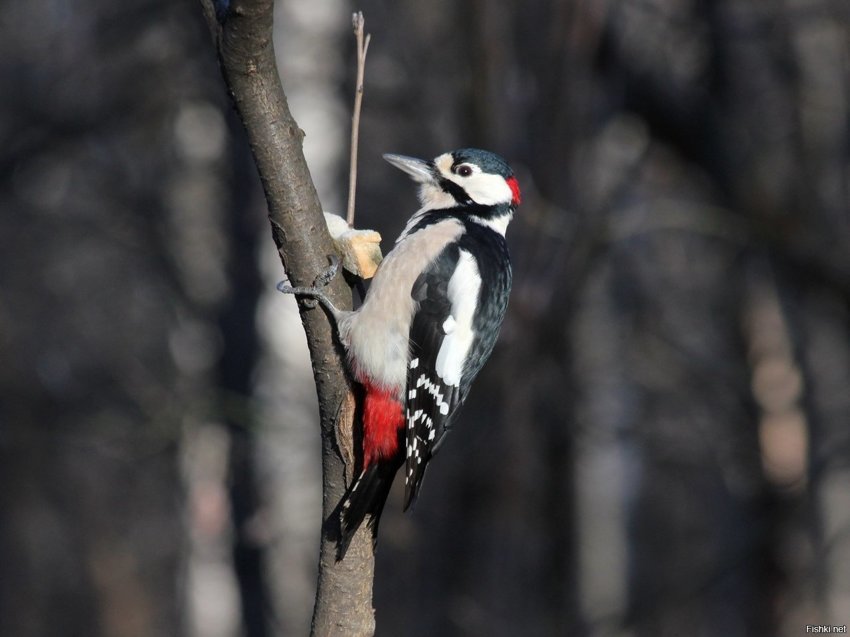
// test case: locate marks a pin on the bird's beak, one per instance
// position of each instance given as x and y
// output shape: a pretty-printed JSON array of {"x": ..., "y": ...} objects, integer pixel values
[{"x": 420, "y": 170}]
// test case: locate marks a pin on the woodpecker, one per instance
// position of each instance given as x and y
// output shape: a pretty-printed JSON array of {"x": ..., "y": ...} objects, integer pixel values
[{"x": 428, "y": 323}]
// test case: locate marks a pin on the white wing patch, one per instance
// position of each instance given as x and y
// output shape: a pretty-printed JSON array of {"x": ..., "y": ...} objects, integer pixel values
[{"x": 463, "y": 290}]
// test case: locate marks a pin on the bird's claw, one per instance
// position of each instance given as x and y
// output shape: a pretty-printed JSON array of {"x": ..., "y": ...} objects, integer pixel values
[{"x": 328, "y": 275}]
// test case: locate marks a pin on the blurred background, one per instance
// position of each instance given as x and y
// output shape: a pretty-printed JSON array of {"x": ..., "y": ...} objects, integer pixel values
[{"x": 660, "y": 444}]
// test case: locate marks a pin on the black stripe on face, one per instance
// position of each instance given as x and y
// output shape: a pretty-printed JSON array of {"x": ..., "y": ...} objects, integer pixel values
[{"x": 457, "y": 192}]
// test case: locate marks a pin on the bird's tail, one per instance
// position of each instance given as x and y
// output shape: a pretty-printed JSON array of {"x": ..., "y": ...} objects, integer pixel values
[{"x": 366, "y": 496}]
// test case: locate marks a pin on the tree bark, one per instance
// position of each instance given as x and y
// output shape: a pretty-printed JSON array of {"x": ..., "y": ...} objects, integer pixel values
[{"x": 242, "y": 30}]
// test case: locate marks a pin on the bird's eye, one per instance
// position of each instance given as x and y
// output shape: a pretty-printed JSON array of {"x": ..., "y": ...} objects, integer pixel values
[{"x": 464, "y": 170}]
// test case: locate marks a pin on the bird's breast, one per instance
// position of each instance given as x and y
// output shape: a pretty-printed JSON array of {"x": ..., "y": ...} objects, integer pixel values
[{"x": 377, "y": 334}]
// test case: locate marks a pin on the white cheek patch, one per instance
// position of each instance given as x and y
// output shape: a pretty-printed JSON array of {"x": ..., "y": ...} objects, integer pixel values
[
  {"x": 488, "y": 190},
  {"x": 483, "y": 188},
  {"x": 463, "y": 290}
]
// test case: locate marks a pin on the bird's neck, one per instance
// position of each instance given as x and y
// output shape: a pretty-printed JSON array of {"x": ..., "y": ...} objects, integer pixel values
[{"x": 495, "y": 217}]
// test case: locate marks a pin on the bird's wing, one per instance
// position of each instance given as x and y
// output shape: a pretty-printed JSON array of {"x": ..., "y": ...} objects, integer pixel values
[{"x": 441, "y": 338}]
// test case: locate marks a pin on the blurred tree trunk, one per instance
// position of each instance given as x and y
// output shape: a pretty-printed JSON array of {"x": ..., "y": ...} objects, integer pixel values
[
  {"x": 821, "y": 332},
  {"x": 98, "y": 371},
  {"x": 696, "y": 440},
  {"x": 239, "y": 357}
]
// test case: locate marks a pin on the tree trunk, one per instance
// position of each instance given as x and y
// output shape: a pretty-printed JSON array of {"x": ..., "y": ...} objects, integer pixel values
[{"x": 243, "y": 35}]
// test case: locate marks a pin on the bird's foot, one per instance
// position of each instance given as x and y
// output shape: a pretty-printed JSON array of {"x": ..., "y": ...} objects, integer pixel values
[
  {"x": 330, "y": 272},
  {"x": 315, "y": 291}
]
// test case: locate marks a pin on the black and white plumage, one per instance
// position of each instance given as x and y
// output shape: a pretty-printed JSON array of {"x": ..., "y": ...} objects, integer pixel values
[
  {"x": 462, "y": 300},
  {"x": 428, "y": 323}
]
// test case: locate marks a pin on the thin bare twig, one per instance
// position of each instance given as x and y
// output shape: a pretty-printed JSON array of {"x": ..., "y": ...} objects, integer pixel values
[{"x": 357, "y": 22}]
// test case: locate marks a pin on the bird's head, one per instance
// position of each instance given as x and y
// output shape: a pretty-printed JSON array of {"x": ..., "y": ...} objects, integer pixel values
[{"x": 461, "y": 177}]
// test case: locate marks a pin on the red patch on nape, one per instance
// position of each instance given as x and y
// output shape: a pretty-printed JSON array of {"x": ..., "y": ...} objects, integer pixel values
[
  {"x": 513, "y": 184},
  {"x": 383, "y": 415}
]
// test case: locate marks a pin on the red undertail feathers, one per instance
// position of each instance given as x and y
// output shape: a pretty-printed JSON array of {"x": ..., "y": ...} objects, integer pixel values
[
  {"x": 383, "y": 416},
  {"x": 383, "y": 428}
]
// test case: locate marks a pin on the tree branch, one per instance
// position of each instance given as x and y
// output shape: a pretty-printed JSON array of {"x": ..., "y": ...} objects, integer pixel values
[{"x": 242, "y": 30}]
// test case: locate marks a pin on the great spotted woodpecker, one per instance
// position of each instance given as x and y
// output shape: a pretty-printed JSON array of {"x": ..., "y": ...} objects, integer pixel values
[{"x": 428, "y": 323}]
